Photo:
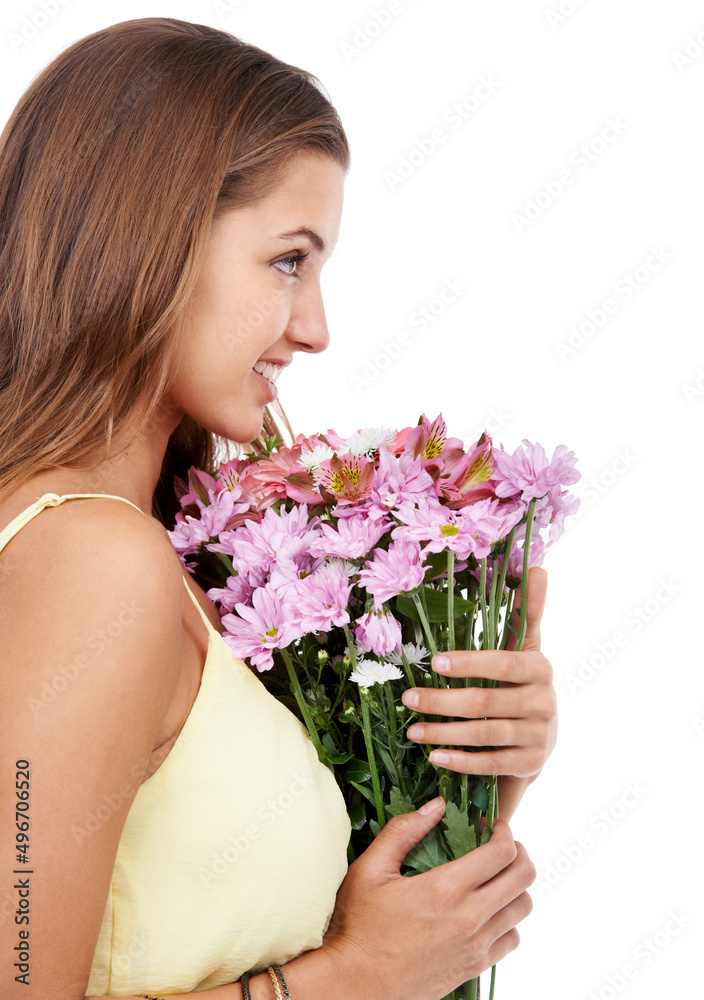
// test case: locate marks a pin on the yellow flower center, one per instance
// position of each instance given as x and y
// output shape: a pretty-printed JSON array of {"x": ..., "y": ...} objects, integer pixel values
[
  {"x": 433, "y": 447},
  {"x": 271, "y": 633},
  {"x": 336, "y": 483},
  {"x": 447, "y": 530}
]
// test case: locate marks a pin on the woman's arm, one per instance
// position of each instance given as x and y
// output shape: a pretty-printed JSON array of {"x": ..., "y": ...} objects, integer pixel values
[{"x": 83, "y": 697}]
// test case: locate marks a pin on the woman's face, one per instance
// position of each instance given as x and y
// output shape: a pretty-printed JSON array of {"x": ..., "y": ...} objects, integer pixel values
[{"x": 254, "y": 304}]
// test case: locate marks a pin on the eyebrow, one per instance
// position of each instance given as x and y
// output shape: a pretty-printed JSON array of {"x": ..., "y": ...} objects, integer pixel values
[{"x": 317, "y": 241}]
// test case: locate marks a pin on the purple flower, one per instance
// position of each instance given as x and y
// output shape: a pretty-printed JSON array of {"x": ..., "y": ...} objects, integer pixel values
[
  {"x": 529, "y": 472},
  {"x": 270, "y": 623},
  {"x": 394, "y": 572},
  {"x": 378, "y": 633}
]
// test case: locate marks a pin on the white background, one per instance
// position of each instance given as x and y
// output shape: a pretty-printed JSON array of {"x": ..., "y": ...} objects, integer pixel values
[{"x": 625, "y": 778}]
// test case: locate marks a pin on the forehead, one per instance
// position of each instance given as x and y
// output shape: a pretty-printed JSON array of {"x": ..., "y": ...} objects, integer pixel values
[{"x": 306, "y": 195}]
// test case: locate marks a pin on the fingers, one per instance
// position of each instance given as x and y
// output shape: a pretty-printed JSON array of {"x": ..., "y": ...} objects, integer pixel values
[
  {"x": 503, "y": 665},
  {"x": 385, "y": 854},
  {"x": 503, "y": 733},
  {"x": 517, "y": 761},
  {"x": 531, "y": 700},
  {"x": 537, "y": 593},
  {"x": 506, "y": 886},
  {"x": 479, "y": 866}
]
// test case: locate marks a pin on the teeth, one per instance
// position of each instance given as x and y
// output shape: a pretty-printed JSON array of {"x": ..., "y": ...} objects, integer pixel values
[{"x": 268, "y": 370}]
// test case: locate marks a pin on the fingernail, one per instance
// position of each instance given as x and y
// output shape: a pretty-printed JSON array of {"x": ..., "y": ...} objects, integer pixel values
[
  {"x": 441, "y": 664},
  {"x": 439, "y": 757},
  {"x": 415, "y": 732},
  {"x": 431, "y": 806},
  {"x": 410, "y": 698}
]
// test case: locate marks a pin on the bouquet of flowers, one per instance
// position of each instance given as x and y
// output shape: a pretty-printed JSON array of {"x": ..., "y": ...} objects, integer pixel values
[{"x": 341, "y": 565}]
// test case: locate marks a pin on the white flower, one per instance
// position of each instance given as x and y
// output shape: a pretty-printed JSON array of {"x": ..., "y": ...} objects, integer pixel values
[
  {"x": 370, "y": 672},
  {"x": 310, "y": 460},
  {"x": 338, "y": 567},
  {"x": 415, "y": 655},
  {"x": 369, "y": 439}
]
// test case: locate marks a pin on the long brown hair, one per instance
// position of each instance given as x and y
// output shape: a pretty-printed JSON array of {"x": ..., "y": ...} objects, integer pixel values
[{"x": 113, "y": 165}]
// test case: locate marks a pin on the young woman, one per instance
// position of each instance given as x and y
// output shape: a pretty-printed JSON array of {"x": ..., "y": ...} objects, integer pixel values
[{"x": 168, "y": 196}]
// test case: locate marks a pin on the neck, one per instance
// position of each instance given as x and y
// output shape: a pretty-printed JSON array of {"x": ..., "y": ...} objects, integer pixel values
[{"x": 131, "y": 469}]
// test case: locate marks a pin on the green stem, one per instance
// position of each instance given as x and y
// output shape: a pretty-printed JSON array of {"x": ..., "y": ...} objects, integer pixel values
[
  {"x": 507, "y": 620},
  {"x": 350, "y": 646},
  {"x": 502, "y": 578},
  {"x": 367, "y": 727},
  {"x": 451, "y": 597},
  {"x": 393, "y": 732},
  {"x": 300, "y": 698},
  {"x": 524, "y": 582},
  {"x": 464, "y": 800},
  {"x": 493, "y": 980},
  {"x": 492, "y": 605},
  {"x": 482, "y": 602},
  {"x": 407, "y": 668},
  {"x": 425, "y": 623}
]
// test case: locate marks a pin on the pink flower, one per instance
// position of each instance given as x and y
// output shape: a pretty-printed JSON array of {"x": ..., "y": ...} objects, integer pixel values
[
  {"x": 378, "y": 633},
  {"x": 473, "y": 529},
  {"x": 269, "y": 623},
  {"x": 529, "y": 472},
  {"x": 465, "y": 479},
  {"x": 236, "y": 590},
  {"x": 278, "y": 541},
  {"x": 347, "y": 477},
  {"x": 394, "y": 572},
  {"x": 322, "y": 600},
  {"x": 398, "y": 481},
  {"x": 352, "y": 538},
  {"x": 429, "y": 440},
  {"x": 220, "y": 511}
]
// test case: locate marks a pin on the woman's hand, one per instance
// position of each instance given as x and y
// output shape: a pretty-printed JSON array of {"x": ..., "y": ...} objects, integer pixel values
[
  {"x": 519, "y": 716},
  {"x": 418, "y": 938}
]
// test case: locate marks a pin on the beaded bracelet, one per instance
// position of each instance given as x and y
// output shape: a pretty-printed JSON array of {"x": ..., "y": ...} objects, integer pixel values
[
  {"x": 277, "y": 979},
  {"x": 280, "y": 975},
  {"x": 244, "y": 983}
]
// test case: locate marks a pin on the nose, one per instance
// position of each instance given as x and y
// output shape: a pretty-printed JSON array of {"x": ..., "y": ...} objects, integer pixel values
[{"x": 307, "y": 327}]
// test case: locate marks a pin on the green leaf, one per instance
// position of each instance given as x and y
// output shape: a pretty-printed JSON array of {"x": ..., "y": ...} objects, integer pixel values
[
  {"x": 366, "y": 792},
  {"x": 436, "y": 565},
  {"x": 357, "y": 771},
  {"x": 479, "y": 796},
  {"x": 358, "y": 816},
  {"x": 398, "y": 804},
  {"x": 339, "y": 758},
  {"x": 329, "y": 744},
  {"x": 428, "y": 853},
  {"x": 375, "y": 828},
  {"x": 486, "y": 833},
  {"x": 459, "y": 833},
  {"x": 436, "y": 604}
]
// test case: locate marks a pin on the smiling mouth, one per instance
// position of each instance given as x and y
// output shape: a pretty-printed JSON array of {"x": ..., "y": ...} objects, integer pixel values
[{"x": 268, "y": 370}]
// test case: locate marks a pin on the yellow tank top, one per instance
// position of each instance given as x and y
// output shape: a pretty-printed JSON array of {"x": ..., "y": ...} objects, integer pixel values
[{"x": 232, "y": 851}]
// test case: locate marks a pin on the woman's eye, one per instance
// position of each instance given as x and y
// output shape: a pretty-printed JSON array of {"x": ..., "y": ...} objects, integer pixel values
[{"x": 289, "y": 265}]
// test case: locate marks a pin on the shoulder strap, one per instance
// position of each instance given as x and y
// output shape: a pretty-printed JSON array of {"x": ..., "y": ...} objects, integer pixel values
[
  {"x": 47, "y": 500},
  {"x": 204, "y": 618}
]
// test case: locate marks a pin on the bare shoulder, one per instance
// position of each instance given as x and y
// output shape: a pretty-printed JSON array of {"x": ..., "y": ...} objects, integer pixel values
[{"x": 93, "y": 580}]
